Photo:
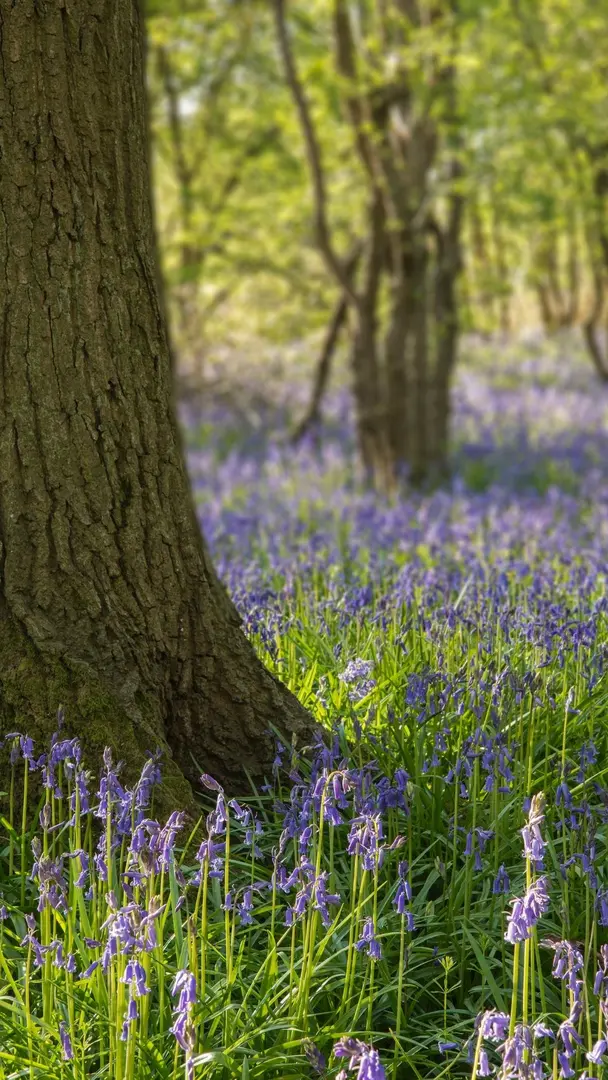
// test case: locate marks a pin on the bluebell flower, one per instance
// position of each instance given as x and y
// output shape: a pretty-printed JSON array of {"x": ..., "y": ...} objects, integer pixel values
[
  {"x": 516, "y": 1050},
  {"x": 494, "y": 1025},
  {"x": 565, "y": 1068},
  {"x": 501, "y": 883},
  {"x": 364, "y": 838},
  {"x": 167, "y": 837},
  {"x": 526, "y": 912},
  {"x": 597, "y": 1054},
  {"x": 601, "y": 976},
  {"x": 83, "y": 858},
  {"x": 534, "y": 844},
  {"x": 134, "y": 976},
  {"x": 210, "y": 783},
  {"x": 369, "y": 941},
  {"x": 542, "y": 1031},
  {"x": 355, "y": 676},
  {"x": 483, "y": 1068},
  {"x": 562, "y": 795},
  {"x": 568, "y": 966},
  {"x": 67, "y": 1051},
  {"x": 361, "y": 1057},
  {"x": 212, "y": 853},
  {"x": 245, "y": 907},
  {"x": 315, "y": 1058},
  {"x": 444, "y": 1045},
  {"x": 569, "y": 1037},
  {"x": 182, "y": 1028},
  {"x": 601, "y": 906},
  {"x": 356, "y": 670}
]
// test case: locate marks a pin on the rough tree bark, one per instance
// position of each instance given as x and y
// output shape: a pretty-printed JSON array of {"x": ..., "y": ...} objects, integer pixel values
[{"x": 109, "y": 603}]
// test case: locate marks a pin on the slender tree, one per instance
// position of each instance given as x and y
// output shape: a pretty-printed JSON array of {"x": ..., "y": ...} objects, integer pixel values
[
  {"x": 396, "y": 67},
  {"x": 109, "y": 603}
]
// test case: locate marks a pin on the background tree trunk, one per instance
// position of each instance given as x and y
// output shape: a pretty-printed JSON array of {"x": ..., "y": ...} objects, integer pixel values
[{"x": 108, "y": 601}]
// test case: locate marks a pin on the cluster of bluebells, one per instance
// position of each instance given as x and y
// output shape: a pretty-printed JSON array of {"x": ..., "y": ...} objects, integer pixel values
[
  {"x": 358, "y": 805},
  {"x": 520, "y": 1045},
  {"x": 356, "y": 677},
  {"x": 526, "y": 911},
  {"x": 360, "y": 1057},
  {"x": 184, "y": 990}
]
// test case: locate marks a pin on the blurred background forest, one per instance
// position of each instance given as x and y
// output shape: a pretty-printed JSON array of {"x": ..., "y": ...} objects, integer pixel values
[{"x": 388, "y": 181}]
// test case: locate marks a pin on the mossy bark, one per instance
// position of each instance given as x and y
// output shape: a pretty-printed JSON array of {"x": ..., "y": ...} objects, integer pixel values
[{"x": 109, "y": 603}]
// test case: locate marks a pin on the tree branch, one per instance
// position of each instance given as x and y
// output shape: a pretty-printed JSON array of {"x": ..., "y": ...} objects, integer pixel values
[
  {"x": 313, "y": 154},
  {"x": 323, "y": 369}
]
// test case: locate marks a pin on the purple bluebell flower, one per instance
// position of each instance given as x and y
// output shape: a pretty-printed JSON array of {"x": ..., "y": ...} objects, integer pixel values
[
  {"x": 526, "y": 912},
  {"x": 51, "y": 885},
  {"x": 364, "y": 838},
  {"x": 601, "y": 906},
  {"x": 568, "y": 966},
  {"x": 569, "y": 1037},
  {"x": 210, "y": 783},
  {"x": 321, "y": 897},
  {"x": 516, "y": 1050},
  {"x": 360, "y": 1056},
  {"x": 565, "y": 1068},
  {"x": 167, "y": 837},
  {"x": 542, "y": 1031},
  {"x": 83, "y": 858},
  {"x": 563, "y": 796},
  {"x": 501, "y": 883},
  {"x": 67, "y": 1051},
  {"x": 134, "y": 976},
  {"x": 403, "y": 896},
  {"x": 184, "y": 984},
  {"x": 483, "y": 1067},
  {"x": 86, "y": 974},
  {"x": 150, "y": 776},
  {"x": 597, "y": 1054},
  {"x": 369, "y": 941},
  {"x": 494, "y": 1025},
  {"x": 601, "y": 976},
  {"x": 588, "y": 756},
  {"x": 212, "y": 853},
  {"x": 356, "y": 670},
  {"x": 315, "y": 1058},
  {"x": 59, "y": 960},
  {"x": 27, "y": 751},
  {"x": 355, "y": 676},
  {"x": 534, "y": 845},
  {"x": 245, "y": 907}
]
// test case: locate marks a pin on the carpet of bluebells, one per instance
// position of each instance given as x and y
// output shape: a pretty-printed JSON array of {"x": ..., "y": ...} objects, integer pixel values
[{"x": 424, "y": 892}]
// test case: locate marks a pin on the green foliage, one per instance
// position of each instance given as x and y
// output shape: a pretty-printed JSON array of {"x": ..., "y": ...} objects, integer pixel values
[{"x": 233, "y": 192}]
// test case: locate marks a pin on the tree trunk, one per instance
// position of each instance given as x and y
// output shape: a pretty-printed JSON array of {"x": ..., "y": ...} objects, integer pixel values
[
  {"x": 370, "y": 410},
  {"x": 419, "y": 412},
  {"x": 396, "y": 372},
  {"x": 108, "y": 601}
]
